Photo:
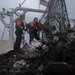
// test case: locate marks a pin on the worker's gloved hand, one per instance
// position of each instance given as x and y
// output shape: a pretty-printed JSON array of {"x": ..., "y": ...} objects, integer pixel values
[
  {"x": 36, "y": 27},
  {"x": 23, "y": 31},
  {"x": 22, "y": 28},
  {"x": 27, "y": 31}
]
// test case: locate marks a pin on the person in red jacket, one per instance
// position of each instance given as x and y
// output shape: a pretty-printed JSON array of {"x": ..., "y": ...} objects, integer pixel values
[
  {"x": 19, "y": 32},
  {"x": 34, "y": 27}
]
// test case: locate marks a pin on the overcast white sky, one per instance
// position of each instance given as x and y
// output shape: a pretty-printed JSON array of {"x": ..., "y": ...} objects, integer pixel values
[{"x": 7, "y": 4}]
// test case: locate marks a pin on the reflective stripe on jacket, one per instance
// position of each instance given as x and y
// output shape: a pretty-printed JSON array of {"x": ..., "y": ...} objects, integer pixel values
[{"x": 33, "y": 24}]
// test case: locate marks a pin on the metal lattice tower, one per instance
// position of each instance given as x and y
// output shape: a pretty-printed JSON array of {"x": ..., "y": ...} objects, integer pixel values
[{"x": 56, "y": 14}]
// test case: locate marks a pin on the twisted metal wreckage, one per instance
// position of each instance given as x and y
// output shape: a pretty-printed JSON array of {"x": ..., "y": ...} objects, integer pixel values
[
  {"x": 52, "y": 55},
  {"x": 56, "y": 15}
]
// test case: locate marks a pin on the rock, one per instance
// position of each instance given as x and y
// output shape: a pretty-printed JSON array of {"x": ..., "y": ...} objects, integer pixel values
[
  {"x": 49, "y": 56},
  {"x": 19, "y": 64}
]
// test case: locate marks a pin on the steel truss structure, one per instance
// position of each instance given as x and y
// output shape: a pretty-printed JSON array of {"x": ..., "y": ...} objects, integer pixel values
[{"x": 56, "y": 14}]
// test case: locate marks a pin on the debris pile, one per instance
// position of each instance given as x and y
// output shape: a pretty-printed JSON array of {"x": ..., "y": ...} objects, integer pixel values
[{"x": 54, "y": 55}]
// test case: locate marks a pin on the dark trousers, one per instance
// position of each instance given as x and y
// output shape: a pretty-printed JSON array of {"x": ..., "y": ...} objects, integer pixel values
[
  {"x": 32, "y": 36},
  {"x": 17, "y": 42}
]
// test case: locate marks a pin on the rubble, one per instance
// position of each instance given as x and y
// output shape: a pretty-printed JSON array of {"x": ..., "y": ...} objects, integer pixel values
[
  {"x": 54, "y": 55},
  {"x": 19, "y": 64}
]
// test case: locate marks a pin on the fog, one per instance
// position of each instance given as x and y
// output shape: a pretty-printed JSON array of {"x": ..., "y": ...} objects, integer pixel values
[{"x": 7, "y": 4}]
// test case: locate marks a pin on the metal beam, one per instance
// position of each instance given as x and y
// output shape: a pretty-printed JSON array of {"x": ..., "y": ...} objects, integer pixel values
[
  {"x": 15, "y": 10},
  {"x": 5, "y": 24},
  {"x": 18, "y": 16},
  {"x": 28, "y": 9},
  {"x": 11, "y": 32},
  {"x": 3, "y": 13},
  {"x": 23, "y": 9}
]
